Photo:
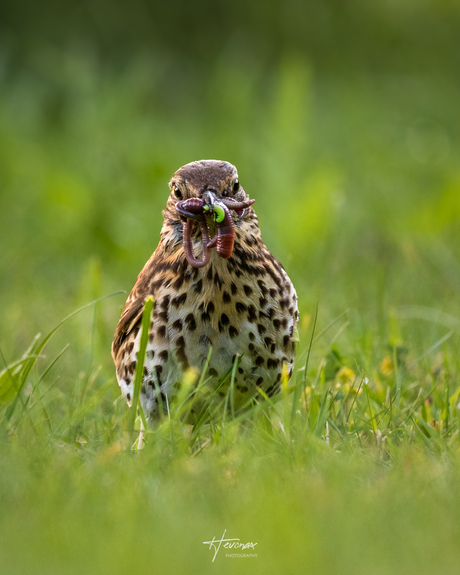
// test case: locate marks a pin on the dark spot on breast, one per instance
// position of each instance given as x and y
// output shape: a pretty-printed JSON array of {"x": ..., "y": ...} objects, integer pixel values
[
  {"x": 146, "y": 372},
  {"x": 177, "y": 325},
  {"x": 177, "y": 284},
  {"x": 150, "y": 354},
  {"x": 240, "y": 370},
  {"x": 259, "y": 360},
  {"x": 210, "y": 274},
  {"x": 182, "y": 357},
  {"x": 210, "y": 307},
  {"x": 232, "y": 331},
  {"x": 158, "y": 370},
  {"x": 233, "y": 288},
  {"x": 262, "y": 287},
  {"x": 251, "y": 347},
  {"x": 273, "y": 292},
  {"x": 163, "y": 355},
  {"x": 252, "y": 313},
  {"x": 284, "y": 303},
  {"x": 150, "y": 337},
  {"x": 221, "y": 327},
  {"x": 198, "y": 286},
  {"x": 162, "y": 316},
  {"x": 165, "y": 302},
  {"x": 276, "y": 323},
  {"x": 261, "y": 329},
  {"x": 259, "y": 381},
  {"x": 130, "y": 346},
  {"x": 286, "y": 341},
  {"x": 205, "y": 316},
  {"x": 273, "y": 389},
  {"x": 226, "y": 298},
  {"x": 243, "y": 389},
  {"x": 128, "y": 396},
  {"x": 213, "y": 372},
  {"x": 180, "y": 342},
  {"x": 143, "y": 390},
  {"x": 205, "y": 341},
  {"x": 180, "y": 300},
  {"x": 240, "y": 307},
  {"x": 251, "y": 336},
  {"x": 285, "y": 322},
  {"x": 162, "y": 331},
  {"x": 247, "y": 290},
  {"x": 190, "y": 322},
  {"x": 263, "y": 302},
  {"x": 224, "y": 319}
]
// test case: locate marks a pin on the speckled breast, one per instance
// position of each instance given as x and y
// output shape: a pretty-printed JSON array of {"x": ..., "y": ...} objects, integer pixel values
[{"x": 230, "y": 310}]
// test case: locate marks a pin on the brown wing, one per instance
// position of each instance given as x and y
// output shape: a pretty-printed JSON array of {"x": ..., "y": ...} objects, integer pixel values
[{"x": 130, "y": 318}]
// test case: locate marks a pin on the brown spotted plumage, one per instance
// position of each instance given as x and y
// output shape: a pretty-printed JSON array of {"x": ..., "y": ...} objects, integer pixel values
[{"x": 244, "y": 306}]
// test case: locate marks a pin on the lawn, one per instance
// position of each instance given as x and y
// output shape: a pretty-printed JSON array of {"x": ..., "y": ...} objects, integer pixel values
[{"x": 354, "y": 467}]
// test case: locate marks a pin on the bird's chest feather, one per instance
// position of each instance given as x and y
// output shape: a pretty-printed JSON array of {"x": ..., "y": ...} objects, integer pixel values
[
  {"x": 242, "y": 309},
  {"x": 223, "y": 312}
]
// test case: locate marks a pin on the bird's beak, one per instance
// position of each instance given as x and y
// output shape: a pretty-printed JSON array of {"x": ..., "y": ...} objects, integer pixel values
[{"x": 210, "y": 200}]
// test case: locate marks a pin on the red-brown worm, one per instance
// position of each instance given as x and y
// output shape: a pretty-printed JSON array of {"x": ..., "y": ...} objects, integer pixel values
[
  {"x": 223, "y": 241},
  {"x": 188, "y": 247},
  {"x": 193, "y": 209},
  {"x": 238, "y": 207},
  {"x": 225, "y": 236}
]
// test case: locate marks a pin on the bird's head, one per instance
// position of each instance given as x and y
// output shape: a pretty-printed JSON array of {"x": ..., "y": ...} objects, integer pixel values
[
  {"x": 207, "y": 192},
  {"x": 209, "y": 180}
]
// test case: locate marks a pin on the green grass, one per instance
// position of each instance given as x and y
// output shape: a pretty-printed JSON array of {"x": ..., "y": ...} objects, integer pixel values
[{"x": 354, "y": 467}]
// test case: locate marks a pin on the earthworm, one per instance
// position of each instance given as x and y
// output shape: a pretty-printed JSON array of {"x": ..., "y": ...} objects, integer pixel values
[
  {"x": 193, "y": 209},
  {"x": 225, "y": 236},
  {"x": 188, "y": 247},
  {"x": 238, "y": 207},
  {"x": 223, "y": 241}
]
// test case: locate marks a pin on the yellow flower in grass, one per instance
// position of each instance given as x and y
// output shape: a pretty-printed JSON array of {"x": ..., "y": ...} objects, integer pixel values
[
  {"x": 345, "y": 375},
  {"x": 387, "y": 366}
]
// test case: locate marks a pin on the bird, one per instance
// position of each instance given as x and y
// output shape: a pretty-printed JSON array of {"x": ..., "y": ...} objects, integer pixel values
[{"x": 222, "y": 302}]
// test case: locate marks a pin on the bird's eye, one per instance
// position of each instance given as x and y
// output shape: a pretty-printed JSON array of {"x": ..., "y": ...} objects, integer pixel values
[
  {"x": 177, "y": 192},
  {"x": 224, "y": 194},
  {"x": 236, "y": 186}
]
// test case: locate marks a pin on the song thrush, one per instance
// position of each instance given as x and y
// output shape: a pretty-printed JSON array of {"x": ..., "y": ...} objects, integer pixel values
[{"x": 236, "y": 299}]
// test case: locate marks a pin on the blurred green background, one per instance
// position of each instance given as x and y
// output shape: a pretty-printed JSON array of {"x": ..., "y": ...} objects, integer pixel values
[{"x": 343, "y": 120}]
